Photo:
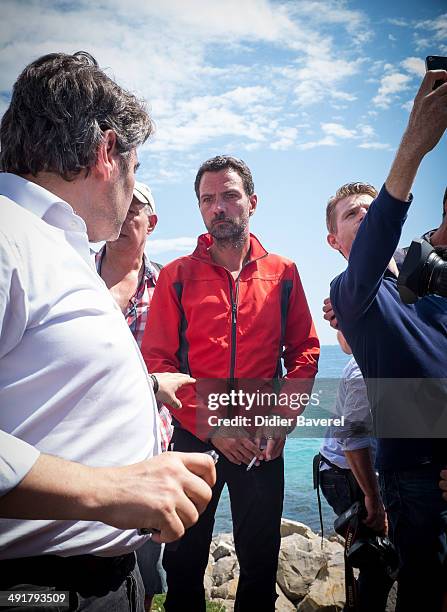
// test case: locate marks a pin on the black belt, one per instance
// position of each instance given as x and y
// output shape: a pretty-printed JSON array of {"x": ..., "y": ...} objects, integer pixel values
[{"x": 88, "y": 575}]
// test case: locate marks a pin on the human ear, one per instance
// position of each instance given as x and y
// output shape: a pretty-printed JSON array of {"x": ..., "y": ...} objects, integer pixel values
[
  {"x": 152, "y": 223},
  {"x": 253, "y": 203},
  {"x": 333, "y": 242},
  {"x": 106, "y": 160}
]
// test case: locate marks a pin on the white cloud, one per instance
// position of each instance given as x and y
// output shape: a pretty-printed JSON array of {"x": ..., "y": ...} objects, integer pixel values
[
  {"x": 327, "y": 141},
  {"x": 422, "y": 43},
  {"x": 337, "y": 130},
  {"x": 198, "y": 63},
  {"x": 398, "y": 22},
  {"x": 414, "y": 65},
  {"x": 320, "y": 77},
  {"x": 391, "y": 85},
  {"x": 335, "y": 134},
  {"x": 343, "y": 95},
  {"x": 183, "y": 244},
  {"x": 366, "y": 131},
  {"x": 336, "y": 13},
  {"x": 286, "y": 139},
  {"x": 436, "y": 34},
  {"x": 184, "y": 124},
  {"x": 378, "y": 146}
]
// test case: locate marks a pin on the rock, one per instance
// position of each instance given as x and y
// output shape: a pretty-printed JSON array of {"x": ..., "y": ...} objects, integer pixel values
[
  {"x": 282, "y": 603},
  {"x": 391, "y": 604},
  {"x": 326, "y": 593},
  {"x": 308, "y": 575},
  {"x": 226, "y": 590},
  {"x": 208, "y": 578},
  {"x": 223, "y": 549},
  {"x": 288, "y": 527},
  {"x": 334, "y": 537},
  {"x": 223, "y": 570},
  {"x": 223, "y": 538},
  {"x": 334, "y": 551},
  {"x": 298, "y": 566}
]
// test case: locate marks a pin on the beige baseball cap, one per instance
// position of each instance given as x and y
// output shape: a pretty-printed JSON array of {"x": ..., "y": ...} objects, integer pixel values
[{"x": 144, "y": 195}]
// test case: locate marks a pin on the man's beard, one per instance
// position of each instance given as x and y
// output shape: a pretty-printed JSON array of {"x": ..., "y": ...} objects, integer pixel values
[{"x": 229, "y": 234}]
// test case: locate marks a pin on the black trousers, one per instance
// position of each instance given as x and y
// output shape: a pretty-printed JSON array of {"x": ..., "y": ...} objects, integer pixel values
[
  {"x": 341, "y": 491},
  {"x": 94, "y": 584},
  {"x": 256, "y": 499}
]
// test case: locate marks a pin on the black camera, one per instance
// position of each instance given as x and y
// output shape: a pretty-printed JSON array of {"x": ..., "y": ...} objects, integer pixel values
[
  {"x": 423, "y": 272},
  {"x": 364, "y": 547}
]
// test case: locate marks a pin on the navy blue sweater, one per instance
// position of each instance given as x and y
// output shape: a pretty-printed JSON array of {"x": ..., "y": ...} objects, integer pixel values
[{"x": 390, "y": 339}]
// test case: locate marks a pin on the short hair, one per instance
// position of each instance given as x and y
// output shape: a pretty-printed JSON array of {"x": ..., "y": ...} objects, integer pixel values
[
  {"x": 222, "y": 162},
  {"x": 343, "y": 192},
  {"x": 60, "y": 106}
]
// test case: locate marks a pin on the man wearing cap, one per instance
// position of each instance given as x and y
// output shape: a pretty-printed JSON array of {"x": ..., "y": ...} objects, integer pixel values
[{"x": 131, "y": 279}]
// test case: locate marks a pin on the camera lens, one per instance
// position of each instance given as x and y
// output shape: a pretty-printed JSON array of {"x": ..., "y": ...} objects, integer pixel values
[
  {"x": 438, "y": 279},
  {"x": 423, "y": 272}
]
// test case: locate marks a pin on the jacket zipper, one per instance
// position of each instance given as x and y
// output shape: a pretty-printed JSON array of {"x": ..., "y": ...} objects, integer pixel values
[{"x": 234, "y": 301}]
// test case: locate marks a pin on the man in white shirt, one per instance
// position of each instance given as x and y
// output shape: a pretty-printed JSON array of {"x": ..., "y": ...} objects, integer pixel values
[
  {"x": 77, "y": 409},
  {"x": 348, "y": 446}
]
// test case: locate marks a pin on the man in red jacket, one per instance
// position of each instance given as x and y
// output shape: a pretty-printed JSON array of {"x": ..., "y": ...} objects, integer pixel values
[{"x": 230, "y": 311}]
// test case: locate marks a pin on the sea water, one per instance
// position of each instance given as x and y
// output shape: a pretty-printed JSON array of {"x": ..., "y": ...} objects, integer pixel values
[{"x": 300, "y": 498}]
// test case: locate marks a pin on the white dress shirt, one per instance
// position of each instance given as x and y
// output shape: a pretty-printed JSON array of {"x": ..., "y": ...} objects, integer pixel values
[{"x": 72, "y": 380}]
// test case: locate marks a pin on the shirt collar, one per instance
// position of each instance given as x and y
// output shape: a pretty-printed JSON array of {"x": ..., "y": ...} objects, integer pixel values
[
  {"x": 149, "y": 269},
  {"x": 41, "y": 202}
]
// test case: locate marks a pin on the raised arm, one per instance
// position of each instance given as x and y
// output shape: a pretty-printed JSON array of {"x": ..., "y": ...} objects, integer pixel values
[{"x": 353, "y": 291}]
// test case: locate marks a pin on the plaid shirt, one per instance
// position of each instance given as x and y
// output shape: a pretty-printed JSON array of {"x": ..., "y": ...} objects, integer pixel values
[{"x": 136, "y": 317}]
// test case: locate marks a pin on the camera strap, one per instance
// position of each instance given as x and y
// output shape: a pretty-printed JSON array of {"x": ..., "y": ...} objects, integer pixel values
[
  {"x": 316, "y": 481},
  {"x": 350, "y": 581}
]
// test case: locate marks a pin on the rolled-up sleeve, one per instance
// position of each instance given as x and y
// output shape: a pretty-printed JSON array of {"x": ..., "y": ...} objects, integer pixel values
[
  {"x": 16, "y": 459},
  {"x": 358, "y": 420}
]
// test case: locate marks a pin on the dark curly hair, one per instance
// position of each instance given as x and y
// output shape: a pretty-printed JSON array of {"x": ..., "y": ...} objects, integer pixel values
[{"x": 61, "y": 105}]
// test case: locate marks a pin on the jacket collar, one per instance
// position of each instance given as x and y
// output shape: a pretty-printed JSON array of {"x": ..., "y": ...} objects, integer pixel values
[{"x": 204, "y": 242}]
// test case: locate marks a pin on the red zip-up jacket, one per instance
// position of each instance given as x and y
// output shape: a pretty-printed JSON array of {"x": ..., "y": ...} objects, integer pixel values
[{"x": 204, "y": 323}]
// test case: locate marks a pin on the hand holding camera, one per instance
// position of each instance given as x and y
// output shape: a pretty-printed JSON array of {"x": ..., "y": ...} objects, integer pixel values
[{"x": 363, "y": 546}]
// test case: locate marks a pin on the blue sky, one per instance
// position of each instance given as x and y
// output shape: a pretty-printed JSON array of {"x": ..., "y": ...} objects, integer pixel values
[{"x": 311, "y": 94}]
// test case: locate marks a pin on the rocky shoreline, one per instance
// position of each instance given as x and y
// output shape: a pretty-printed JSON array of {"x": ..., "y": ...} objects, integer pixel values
[{"x": 310, "y": 575}]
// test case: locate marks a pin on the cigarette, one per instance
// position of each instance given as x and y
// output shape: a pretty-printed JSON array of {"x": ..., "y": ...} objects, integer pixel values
[
  {"x": 251, "y": 464},
  {"x": 253, "y": 461}
]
